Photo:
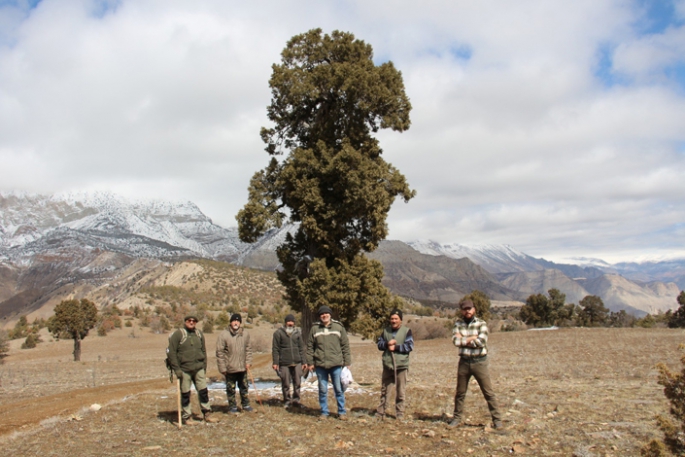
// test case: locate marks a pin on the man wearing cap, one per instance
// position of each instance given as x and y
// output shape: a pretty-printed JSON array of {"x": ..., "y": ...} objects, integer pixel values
[
  {"x": 288, "y": 358},
  {"x": 396, "y": 342},
  {"x": 328, "y": 350},
  {"x": 470, "y": 335},
  {"x": 187, "y": 357},
  {"x": 234, "y": 358}
]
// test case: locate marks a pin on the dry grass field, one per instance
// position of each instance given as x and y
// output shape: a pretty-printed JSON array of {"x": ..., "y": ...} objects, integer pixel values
[{"x": 582, "y": 392}]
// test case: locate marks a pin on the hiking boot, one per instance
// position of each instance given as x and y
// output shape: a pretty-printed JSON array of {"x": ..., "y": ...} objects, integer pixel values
[
  {"x": 190, "y": 421},
  {"x": 343, "y": 417},
  {"x": 498, "y": 425},
  {"x": 399, "y": 417},
  {"x": 456, "y": 422},
  {"x": 247, "y": 409},
  {"x": 210, "y": 419},
  {"x": 323, "y": 417},
  {"x": 379, "y": 416},
  {"x": 233, "y": 410}
]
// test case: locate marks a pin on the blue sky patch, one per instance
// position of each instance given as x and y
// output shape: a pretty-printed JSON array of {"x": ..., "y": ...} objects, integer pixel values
[{"x": 658, "y": 15}]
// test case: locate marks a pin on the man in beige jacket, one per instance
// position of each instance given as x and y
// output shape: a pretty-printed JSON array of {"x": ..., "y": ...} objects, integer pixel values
[{"x": 234, "y": 358}]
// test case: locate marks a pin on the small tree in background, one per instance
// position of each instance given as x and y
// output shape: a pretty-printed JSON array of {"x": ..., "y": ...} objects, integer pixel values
[
  {"x": 481, "y": 302},
  {"x": 677, "y": 319},
  {"x": 75, "y": 318},
  {"x": 31, "y": 341},
  {"x": 4, "y": 346},
  {"x": 674, "y": 431},
  {"x": 540, "y": 311},
  {"x": 593, "y": 312}
]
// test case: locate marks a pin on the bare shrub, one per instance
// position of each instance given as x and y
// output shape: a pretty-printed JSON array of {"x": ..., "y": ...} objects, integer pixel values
[
  {"x": 260, "y": 343},
  {"x": 430, "y": 329},
  {"x": 674, "y": 431}
]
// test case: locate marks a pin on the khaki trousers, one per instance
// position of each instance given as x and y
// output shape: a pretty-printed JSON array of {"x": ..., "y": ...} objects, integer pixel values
[{"x": 198, "y": 378}]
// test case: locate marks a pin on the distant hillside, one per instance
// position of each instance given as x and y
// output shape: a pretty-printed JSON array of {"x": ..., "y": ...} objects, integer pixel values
[
  {"x": 72, "y": 245},
  {"x": 412, "y": 274}
]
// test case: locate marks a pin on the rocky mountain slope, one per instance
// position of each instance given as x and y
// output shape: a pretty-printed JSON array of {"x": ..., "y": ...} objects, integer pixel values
[{"x": 51, "y": 246}]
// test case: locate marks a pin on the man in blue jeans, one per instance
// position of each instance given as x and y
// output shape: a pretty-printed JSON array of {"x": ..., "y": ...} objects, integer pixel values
[{"x": 328, "y": 350}]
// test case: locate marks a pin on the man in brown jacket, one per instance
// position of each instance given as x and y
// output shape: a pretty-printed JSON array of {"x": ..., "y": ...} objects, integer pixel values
[{"x": 234, "y": 358}]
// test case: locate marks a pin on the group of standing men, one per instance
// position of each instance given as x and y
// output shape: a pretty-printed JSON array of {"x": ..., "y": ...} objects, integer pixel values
[{"x": 326, "y": 351}]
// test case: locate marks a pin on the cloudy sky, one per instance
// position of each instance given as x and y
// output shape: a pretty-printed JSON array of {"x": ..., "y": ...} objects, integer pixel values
[{"x": 554, "y": 126}]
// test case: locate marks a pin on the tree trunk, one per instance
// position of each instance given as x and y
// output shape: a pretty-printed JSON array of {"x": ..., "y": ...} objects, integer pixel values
[
  {"x": 77, "y": 349},
  {"x": 308, "y": 319}
]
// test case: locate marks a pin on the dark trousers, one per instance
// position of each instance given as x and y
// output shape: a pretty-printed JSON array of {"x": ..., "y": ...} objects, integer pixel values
[
  {"x": 240, "y": 380},
  {"x": 387, "y": 379},
  {"x": 290, "y": 375},
  {"x": 478, "y": 368}
]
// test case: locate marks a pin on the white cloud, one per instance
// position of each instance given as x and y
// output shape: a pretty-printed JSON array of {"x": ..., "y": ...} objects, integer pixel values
[{"x": 515, "y": 138}]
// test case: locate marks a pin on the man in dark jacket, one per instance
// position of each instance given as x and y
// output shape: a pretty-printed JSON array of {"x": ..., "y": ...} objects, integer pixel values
[
  {"x": 396, "y": 342},
  {"x": 328, "y": 350},
  {"x": 288, "y": 357},
  {"x": 187, "y": 356}
]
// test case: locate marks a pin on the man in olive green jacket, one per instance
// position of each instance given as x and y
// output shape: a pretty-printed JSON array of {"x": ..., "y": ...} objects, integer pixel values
[
  {"x": 328, "y": 350},
  {"x": 396, "y": 342},
  {"x": 234, "y": 358},
  {"x": 187, "y": 357}
]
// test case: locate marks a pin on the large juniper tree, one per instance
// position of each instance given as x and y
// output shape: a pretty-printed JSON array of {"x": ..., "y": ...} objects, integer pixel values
[{"x": 327, "y": 174}]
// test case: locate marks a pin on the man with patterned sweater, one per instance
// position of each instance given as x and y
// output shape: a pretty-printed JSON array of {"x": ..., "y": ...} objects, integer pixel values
[{"x": 470, "y": 335}]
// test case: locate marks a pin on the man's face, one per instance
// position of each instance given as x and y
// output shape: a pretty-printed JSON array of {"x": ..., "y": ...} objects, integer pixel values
[
  {"x": 325, "y": 317},
  {"x": 235, "y": 325},
  {"x": 468, "y": 311},
  {"x": 190, "y": 324},
  {"x": 290, "y": 324},
  {"x": 395, "y": 321}
]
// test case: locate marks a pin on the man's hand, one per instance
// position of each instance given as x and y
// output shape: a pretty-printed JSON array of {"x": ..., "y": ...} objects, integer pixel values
[
  {"x": 391, "y": 347},
  {"x": 458, "y": 335},
  {"x": 311, "y": 367},
  {"x": 179, "y": 374},
  {"x": 471, "y": 339},
  {"x": 275, "y": 367},
  {"x": 304, "y": 366},
  {"x": 248, "y": 366},
  {"x": 392, "y": 342}
]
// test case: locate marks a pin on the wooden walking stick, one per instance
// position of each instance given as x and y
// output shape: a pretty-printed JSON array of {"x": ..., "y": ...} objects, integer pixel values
[
  {"x": 259, "y": 400},
  {"x": 178, "y": 403}
]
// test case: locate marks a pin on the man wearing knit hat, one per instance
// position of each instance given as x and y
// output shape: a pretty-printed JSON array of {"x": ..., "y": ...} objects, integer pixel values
[
  {"x": 234, "y": 358},
  {"x": 187, "y": 356},
  {"x": 396, "y": 342},
  {"x": 288, "y": 358},
  {"x": 328, "y": 350}
]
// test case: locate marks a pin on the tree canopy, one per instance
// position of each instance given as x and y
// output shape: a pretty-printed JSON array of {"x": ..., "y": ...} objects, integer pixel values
[
  {"x": 327, "y": 174},
  {"x": 678, "y": 317},
  {"x": 75, "y": 318},
  {"x": 541, "y": 311}
]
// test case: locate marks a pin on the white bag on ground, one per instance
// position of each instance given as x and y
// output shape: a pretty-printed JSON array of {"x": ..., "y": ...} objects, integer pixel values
[{"x": 346, "y": 378}]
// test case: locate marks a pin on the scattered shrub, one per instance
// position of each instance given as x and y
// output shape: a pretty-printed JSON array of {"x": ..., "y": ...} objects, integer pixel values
[{"x": 31, "y": 341}]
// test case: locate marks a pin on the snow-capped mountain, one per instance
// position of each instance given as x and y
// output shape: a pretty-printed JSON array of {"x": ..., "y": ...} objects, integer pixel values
[{"x": 155, "y": 229}]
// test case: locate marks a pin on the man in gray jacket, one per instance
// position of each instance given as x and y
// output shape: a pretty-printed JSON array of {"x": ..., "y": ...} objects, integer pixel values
[
  {"x": 234, "y": 358},
  {"x": 328, "y": 350},
  {"x": 288, "y": 357}
]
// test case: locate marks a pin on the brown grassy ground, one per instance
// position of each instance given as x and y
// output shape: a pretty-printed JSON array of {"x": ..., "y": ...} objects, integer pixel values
[{"x": 568, "y": 392}]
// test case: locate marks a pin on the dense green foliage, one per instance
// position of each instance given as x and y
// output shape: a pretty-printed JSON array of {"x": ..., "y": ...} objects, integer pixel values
[
  {"x": 75, "y": 318},
  {"x": 543, "y": 311},
  {"x": 593, "y": 313},
  {"x": 328, "y": 97},
  {"x": 4, "y": 346},
  {"x": 677, "y": 319}
]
